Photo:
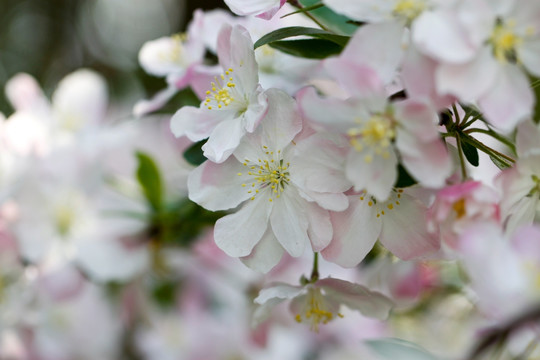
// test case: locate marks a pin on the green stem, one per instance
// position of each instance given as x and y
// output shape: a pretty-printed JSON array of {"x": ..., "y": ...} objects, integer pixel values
[
  {"x": 464, "y": 175},
  {"x": 484, "y": 148},
  {"x": 494, "y": 135},
  {"x": 315, "y": 271},
  {"x": 456, "y": 115},
  {"x": 297, "y": 4}
]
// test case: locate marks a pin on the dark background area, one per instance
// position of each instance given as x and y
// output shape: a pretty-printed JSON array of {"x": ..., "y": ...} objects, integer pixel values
[{"x": 51, "y": 38}]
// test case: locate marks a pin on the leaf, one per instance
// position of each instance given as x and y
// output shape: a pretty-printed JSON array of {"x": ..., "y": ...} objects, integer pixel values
[
  {"x": 304, "y": 10},
  {"x": 308, "y": 48},
  {"x": 535, "y": 85},
  {"x": 471, "y": 153},
  {"x": 288, "y": 32},
  {"x": 150, "y": 179},
  {"x": 404, "y": 178},
  {"x": 499, "y": 163},
  {"x": 391, "y": 349},
  {"x": 194, "y": 154},
  {"x": 333, "y": 21}
]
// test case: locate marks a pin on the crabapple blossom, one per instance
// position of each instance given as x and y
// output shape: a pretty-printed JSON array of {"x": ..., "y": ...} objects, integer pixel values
[
  {"x": 264, "y": 9},
  {"x": 284, "y": 208},
  {"x": 458, "y": 207},
  {"x": 319, "y": 302},
  {"x": 377, "y": 132},
  {"x": 398, "y": 223},
  {"x": 235, "y": 103}
]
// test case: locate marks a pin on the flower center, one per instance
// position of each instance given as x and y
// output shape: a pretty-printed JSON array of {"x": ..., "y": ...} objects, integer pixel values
[
  {"x": 176, "y": 52},
  {"x": 64, "y": 219},
  {"x": 316, "y": 311},
  {"x": 270, "y": 174},
  {"x": 383, "y": 206},
  {"x": 459, "y": 208},
  {"x": 409, "y": 9},
  {"x": 505, "y": 41},
  {"x": 221, "y": 91},
  {"x": 376, "y": 134}
]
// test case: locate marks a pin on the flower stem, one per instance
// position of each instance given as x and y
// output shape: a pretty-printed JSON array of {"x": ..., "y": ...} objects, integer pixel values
[
  {"x": 464, "y": 175},
  {"x": 483, "y": 147},
  {"x": 315, "y": 271},
  {"x": 297, "y": 4}
]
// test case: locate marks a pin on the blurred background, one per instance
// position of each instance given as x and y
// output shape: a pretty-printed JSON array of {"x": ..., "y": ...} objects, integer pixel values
[{"x": 48, "y": 39}]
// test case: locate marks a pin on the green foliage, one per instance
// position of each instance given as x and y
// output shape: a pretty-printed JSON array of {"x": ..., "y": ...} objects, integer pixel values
[
  {"x": 334, "y": 22},
  {"x": 288, "y": 32},
  {"x": 471, "y": 153},
  {"x": 194, "y": 154},
  {"x": 150, "y": 180},
  {"x": 404, "y": 178},
  {"x": 308, "y": 48},
  {"x": 499, "y": 163},
  {"x": 535, "y": 84}
]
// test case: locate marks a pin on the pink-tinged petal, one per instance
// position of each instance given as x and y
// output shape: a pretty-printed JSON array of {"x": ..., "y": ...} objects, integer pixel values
[
  {"x": 282, "y": 121},
  {"x": 440, "y": 35},
  {"x": 267, "y": 15},
  {"x": 526, "y": 241},
  {"x": 320, "y": 227},
  {"x": 355, "y": 232},
  {"x": 278, "y": 291},
  {"x": 24, "y": 93},
  {"x": 527, "y": 138},
  {"x": 329, "y": 201},
  {"x": 333, "y": 113},
  {"x": 455, "y": 79},
  {"x": 108, "y": 260},
  {"x": 61, "y": 283},
  {"x": 510, "y": 100},
  {"x": 266, "y": 254},
  {"x": 404, "y": 230},
  {"x": 255, "y": 7},
  {"x": 318, "y": 165},
  {"x": 376, "y": 176},
  {"x": 237, "y": 234},
  {"x": 378, "y": 46},
  {"x": 429, "y": 163},
  {"x": 235, "y": 50},
  {"x": 357, "y": 297},
  {"x": 418, "y": 75},
  {"x": 201, "y": 77},
  {"x": 196, "y": 123},
  {"x": 218, "y": 186},
  {"x": 528, "y": 54},
  {"x": 82, "y": 97},
  {"x": 418, "y": 118},
  {"x": 257, "y": 109},
  {"x": 144, "y": 107},
  {"x": 357, "y": 79},
  {"x": 223, "y": 140},
  {"x": 362, "y": 10},
  {"x": 290, "y": 222}
]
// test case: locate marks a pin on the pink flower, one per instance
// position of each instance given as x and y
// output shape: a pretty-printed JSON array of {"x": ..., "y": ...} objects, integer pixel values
[
  {"x": 319, "y": 302},
  {"x": 457, "y": 207},
  {"x": 235, "y": 102},
  {"x": 265, "y": 9}
]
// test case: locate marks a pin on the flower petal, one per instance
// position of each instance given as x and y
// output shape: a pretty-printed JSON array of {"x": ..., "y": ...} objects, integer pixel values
[
  {"x": 266, "y": 254},
  {"x": 290, "y": 222}
]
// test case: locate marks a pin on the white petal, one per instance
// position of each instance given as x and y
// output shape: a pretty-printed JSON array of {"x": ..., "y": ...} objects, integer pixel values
[
  {"x": 290, "y": 223},
  {"x": 355, "y": 232},
  {"x": 237, "y": 234},
  {"x": 404, "y": 230},
  {"x": 320, "y": 227},
  {"x": 223, "y": 140},
  {"x": 218, "y": 186},
  {"x": 266, "y": 254},
  {"x": 196, "y": 123}
]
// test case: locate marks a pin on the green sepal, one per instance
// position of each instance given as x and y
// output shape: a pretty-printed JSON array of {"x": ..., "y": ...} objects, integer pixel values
[{"x": 149, "y": 178}]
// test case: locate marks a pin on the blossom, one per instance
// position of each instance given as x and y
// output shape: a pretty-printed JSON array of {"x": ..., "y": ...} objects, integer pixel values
[
  {"x": 319, "y": 302},
  {"x": 377, "y": 132},
  {"x": 459, "y": 206},
  {"x": 235, "y": 102},
  {"x": 399, "y": 224},
  {"x": 265, "y": 9},
  {"x": 284, "y": 205}
]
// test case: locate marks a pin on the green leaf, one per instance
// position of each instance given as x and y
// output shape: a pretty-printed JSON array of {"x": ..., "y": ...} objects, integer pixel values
[
  {"x": 333, "y": 21},
  {"x": 308, "y": 48},
  {"x": 392, "y": 349},
  {"x": 499, "y": 163},
  {"x": 471, "y": 153},
  {"x": 304, "y": 10},
  {"x": 194, "y": 154},
  {"x": 404, "y": 178},
  {"x": 150, "y": 179},
  {"x": 288, "y": 32}
]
